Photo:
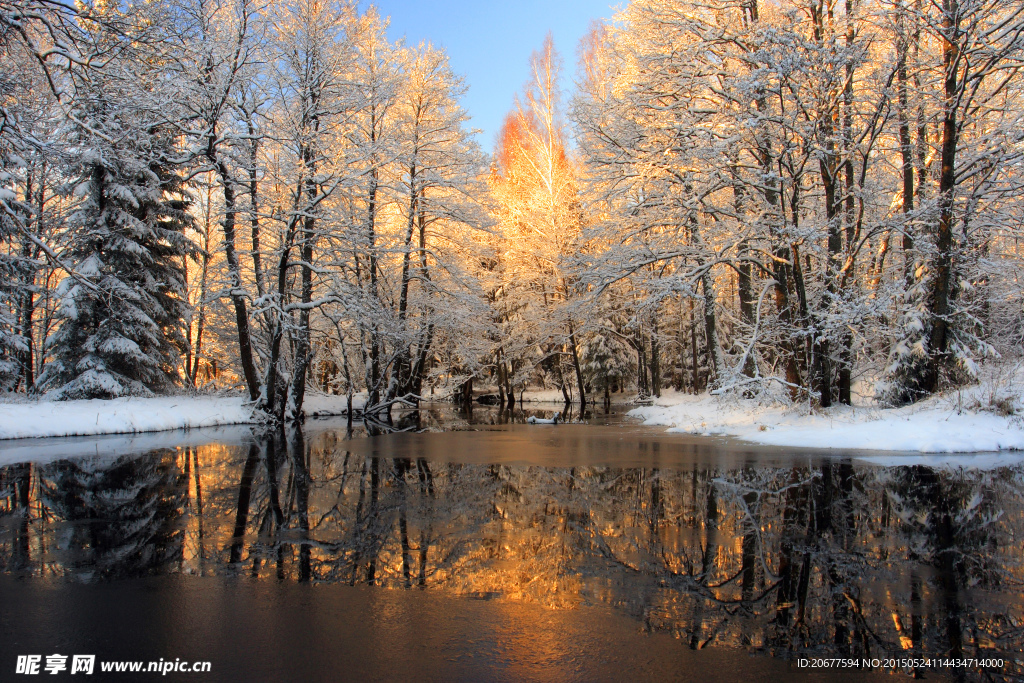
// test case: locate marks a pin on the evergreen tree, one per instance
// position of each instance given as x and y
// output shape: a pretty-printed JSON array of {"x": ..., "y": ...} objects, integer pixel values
[
  {"x": 12, "y": 268},
  {"x": 124, "y": 310},
  {"x": 605, "y": 363}
]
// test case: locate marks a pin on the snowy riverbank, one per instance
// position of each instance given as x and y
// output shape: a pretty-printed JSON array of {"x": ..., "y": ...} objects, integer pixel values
[
  {"x": 34, "y": 419},
  {"x": 119, "y": 416},
  {"x": 943, "y": 424}
]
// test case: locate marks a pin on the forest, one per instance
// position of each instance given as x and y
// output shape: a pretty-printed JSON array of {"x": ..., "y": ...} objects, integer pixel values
[{"x": 812, "y": 201}]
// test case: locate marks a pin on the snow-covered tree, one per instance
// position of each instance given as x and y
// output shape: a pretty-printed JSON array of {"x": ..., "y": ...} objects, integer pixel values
[
  {"x": 123, "y": 312},
  {"x": 742, "y": 150},
  {"x": 540, "y": 218}
]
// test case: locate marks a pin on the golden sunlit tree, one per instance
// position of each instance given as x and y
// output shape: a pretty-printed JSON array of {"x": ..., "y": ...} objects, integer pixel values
[{"x": 540, "y": 220}]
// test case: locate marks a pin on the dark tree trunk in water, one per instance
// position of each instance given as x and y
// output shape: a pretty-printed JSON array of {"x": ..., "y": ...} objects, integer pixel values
[
  {"x": 22, "y": 476},
  {"x": 371, "y": 565},
  {"x": 710, "y": 550},
  {"x": 298, "y": 448},
  {"x": 793, "y": 519},
  {"x": 749, "y": 548},
  {"x": 242, "y": 510}
]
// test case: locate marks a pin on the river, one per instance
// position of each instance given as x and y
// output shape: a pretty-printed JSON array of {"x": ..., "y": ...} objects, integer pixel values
[{"x": 478, "y": 547}]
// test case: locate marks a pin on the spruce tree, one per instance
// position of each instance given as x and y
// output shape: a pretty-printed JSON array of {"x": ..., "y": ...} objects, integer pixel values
[
  {"x": 124, "y": 308},
  {"x": 12, "y": 269}
]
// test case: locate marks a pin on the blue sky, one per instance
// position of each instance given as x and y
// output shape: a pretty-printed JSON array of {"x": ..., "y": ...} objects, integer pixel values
[{"x": 489, "y": 44}]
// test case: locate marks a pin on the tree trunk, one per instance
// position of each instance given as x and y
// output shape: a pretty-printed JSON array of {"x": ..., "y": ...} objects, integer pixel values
[
  {"x": 373, "y": 381},
  {"x": 421, "y": 364},
  {"x": 744, "y": 283},
  {"x": 277, "y": 333},
  {"x": 939, "y": 307},
  {"x": 906, "y": 153},
  {"x": 562, "y": 384},
  {"x": 642, "y": 387},
  {"x": 235, "y": 276},
  {"x": 576, "y": 366},
  {"x": 655, "y": 359},
  {"x": 711, "y": 329},
  {"x": 821, "y": 346},
  {"x": 303, "y": 350},
  {"x": 400, "y": 377},
  {"x": 845, "y": 374},
  {"x": 201, "y": 323},
  {"x": 694, "y": 358},
  {"x": 254, "y": 215},
  {"x": 27, "y": 356}
]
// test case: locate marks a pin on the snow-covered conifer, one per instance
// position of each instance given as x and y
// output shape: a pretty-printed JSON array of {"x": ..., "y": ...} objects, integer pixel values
[{"x": 123, "y": 311}]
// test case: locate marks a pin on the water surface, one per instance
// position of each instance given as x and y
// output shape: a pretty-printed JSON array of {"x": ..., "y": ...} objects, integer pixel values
[{"x": 504, "y": 551}]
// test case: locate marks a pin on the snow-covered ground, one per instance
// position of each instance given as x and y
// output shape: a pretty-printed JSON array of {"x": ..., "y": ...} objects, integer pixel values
[
  {"x": 319, "y": 405},
  {"x": 958, "y": 422},
  {"x": 119, "y": 416},
  {"x": 943, "y": 424},
  {"x": 555, "y": 396},
  {"x": 542, "y": 396},
  {"x": 34, "y": 419}
]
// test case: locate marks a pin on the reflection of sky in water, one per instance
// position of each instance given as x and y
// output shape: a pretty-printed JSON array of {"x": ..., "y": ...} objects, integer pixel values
[{"x": 719, "y": 545}]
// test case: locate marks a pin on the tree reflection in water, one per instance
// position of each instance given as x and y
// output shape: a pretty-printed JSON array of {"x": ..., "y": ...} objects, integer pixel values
[{"x": 832, "y": 558}]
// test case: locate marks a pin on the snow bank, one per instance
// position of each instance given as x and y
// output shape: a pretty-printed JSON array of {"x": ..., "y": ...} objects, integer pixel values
[
  {"x": 35, "y": 419},
  {"x": 119, "y": 416},
  {"x": 542, "y": 396},
  {"x": 320, "y": 405},
  {"x": 555, "y": 396},
  {"x": 939, "y": 425}
]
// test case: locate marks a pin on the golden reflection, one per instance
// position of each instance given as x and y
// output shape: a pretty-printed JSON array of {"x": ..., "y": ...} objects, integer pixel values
[{"x": 859, "y": 561}]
